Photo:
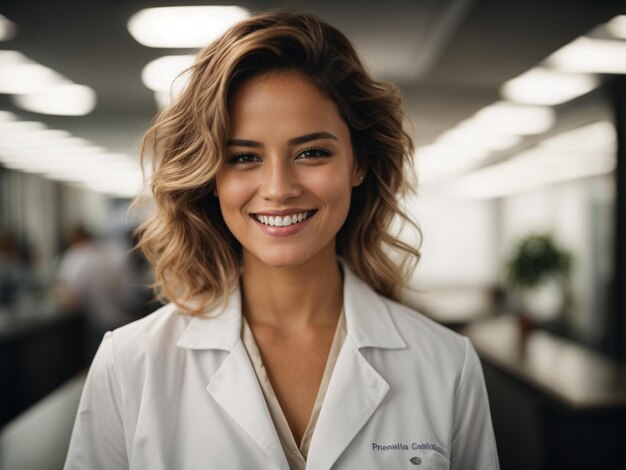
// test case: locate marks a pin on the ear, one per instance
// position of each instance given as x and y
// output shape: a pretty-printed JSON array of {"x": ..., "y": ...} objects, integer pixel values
[{"x": 358, "y": 175}]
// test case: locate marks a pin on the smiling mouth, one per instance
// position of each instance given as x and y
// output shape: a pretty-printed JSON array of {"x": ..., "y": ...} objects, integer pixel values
[{"x": 283, "y": 221}]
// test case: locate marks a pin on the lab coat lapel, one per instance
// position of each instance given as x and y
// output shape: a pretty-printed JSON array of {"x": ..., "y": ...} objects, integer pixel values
[
  {"x": 353, "y": 395},
  {"x": 235, "y": 386},
  {"x": 356, "y": 389}
]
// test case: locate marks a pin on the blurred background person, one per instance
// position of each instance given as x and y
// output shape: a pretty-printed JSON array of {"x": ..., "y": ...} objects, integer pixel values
[
  {"x": 91, "y": 280},
  {"x": 15, "y": 272}
]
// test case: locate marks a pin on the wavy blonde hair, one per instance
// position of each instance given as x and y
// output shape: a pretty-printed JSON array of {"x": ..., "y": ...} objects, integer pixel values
[{"x": 195, "y": 257}]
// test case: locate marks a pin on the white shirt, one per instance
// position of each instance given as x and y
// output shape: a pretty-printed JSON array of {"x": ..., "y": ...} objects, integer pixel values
[
  {"x": 94, "y": 273},
  {"x": 171, "y": 391}
]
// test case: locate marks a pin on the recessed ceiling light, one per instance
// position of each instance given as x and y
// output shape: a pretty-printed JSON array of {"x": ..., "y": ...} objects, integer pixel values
[
  {"x": 183, "y": 26},
  {"x": 7, "y": 116},
  {"x": 13, "y": 129},
  {"x": 617, "y": 26},
  {"x": 19, "y": 74},
  {"x": 546, "y": 87},
  {"x": 591, "y": 55},
  {"x": 162, "y": 74},
  {"x": 597, "y": 136},
  {"x": 9, "y": 57},
  {"x": 440, "y": 153},
  {"x": 557, "y": 159},
  {"x": 530, "y": 171},
  {"x": 439, "y": 161},
  {"x": 32, "y": 148},
  {"x": 43, "y": 154},
  {"x": 34, "y": 139},
  {"x": 492, "y": 141},
  {"x": 509, "y": 118},
  {"x": 67, "y": 99},
  {"x": 8, "y": 29}
]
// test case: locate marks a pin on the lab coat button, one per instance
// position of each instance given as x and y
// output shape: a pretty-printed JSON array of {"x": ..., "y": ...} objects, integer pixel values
[{"x": 415, "y": 460}]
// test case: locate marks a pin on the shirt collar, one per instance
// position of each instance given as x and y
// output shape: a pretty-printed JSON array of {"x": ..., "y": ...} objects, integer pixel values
[{"x": 368, "y": 321}]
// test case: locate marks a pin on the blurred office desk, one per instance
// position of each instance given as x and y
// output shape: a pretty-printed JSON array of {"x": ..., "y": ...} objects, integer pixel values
[
  {"x": 454, "y": 307},
  {"x": 38, "y": 352},
  {"x": 555, "y": 404}
]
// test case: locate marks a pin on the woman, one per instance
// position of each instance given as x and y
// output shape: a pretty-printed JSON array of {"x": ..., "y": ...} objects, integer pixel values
[{"x": 275, "y": 180}]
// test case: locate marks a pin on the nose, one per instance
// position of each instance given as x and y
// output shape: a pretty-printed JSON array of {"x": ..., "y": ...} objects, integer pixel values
[{"x": 280, "y": 181}]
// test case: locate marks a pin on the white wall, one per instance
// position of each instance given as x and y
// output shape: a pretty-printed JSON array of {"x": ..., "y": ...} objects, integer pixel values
[
  {"x": 92, "y": 209},
  {"x": 459, "y": 241}
]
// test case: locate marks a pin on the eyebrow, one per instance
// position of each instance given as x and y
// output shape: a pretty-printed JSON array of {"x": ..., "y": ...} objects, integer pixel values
[{"x": 295, "y": 141}]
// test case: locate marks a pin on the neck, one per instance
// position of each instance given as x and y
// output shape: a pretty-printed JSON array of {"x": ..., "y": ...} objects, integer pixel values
[{"x": 292, "y": 298}]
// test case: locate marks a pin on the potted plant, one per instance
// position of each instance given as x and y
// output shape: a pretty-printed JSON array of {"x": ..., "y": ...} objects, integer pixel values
[{"x": 538, "y": 271}]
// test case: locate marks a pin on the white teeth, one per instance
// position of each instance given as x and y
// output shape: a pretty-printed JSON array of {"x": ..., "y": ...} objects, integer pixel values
[{"x": 282, "y": 221}]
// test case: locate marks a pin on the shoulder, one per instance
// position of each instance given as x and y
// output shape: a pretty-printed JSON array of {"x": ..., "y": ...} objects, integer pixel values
[
  {"x": 427, "y": 338},
  {"x": 155, "y": 333},
  {"x": 383, "y": 321}
]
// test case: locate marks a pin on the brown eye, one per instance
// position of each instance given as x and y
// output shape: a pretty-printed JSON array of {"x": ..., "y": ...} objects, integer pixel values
[
  {"x": 244, "y": 158},
  {"x": 314, "y": 153}
]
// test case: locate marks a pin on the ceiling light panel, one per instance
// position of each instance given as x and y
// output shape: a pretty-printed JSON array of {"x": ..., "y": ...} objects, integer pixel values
[
  {"x": 540, "y": 86},
  {"x": 183, "y": 26},
  {"x": 163, "y": 74},
  {"x": 598, "y": 136},
  {"x": 8, "y": 29},
  {"x": 67, "y": 99},
  {"x": 41, "y": 138},
  {"x": 509, "y": 118},
  {"x": 588, "y": 55},
  {"x": 441, "y": 161},
  {"x": 17, "y": 129},
  {"x": 7, "y": 116},
  {"x": 531, "y": 172},
  {"x": 579, "y": 153},
  {"x": 462, "y": 136},
  {"x": 26, "y": 77},
  {"x": 617, "y": 26}
]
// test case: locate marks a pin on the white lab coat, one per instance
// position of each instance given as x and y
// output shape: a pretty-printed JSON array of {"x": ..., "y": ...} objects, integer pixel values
[{"x": 176, "y": 392}]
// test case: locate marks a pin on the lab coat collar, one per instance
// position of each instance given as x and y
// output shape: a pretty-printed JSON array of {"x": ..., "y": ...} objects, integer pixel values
[
  {"x": 216, "y": 329},
  {"x": 354, "y": 381},
  {"x": 368, "y": 322}
]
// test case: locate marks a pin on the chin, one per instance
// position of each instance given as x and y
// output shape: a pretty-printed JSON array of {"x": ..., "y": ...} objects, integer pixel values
[
  {"x": 283, "y": 258},
  {"x": 283, "y": 261}
]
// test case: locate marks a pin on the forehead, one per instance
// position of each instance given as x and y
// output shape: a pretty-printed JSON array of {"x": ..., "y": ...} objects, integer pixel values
[{"x": 282, "y": 101}]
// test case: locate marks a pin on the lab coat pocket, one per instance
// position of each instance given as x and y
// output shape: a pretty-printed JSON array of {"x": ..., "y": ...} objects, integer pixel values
[{"x": 427, "y": 460}]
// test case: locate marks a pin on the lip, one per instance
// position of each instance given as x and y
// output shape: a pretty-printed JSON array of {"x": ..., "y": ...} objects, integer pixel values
[
  {"x": 281, "y": 212},
  {"x": 282, "y": 231}
]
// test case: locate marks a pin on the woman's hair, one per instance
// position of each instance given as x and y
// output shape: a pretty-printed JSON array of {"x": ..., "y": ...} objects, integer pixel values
[{"x": 196, "y": 259}]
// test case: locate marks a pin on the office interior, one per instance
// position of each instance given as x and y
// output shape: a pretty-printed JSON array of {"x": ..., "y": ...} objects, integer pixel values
[{"x": 518, "y": 111}]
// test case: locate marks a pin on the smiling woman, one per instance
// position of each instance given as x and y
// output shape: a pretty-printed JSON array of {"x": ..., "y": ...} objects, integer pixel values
[
  {"x": 199, "y": 135},
  {"x": 276, "y": 176},
  {"x": 280, "y": 171}
]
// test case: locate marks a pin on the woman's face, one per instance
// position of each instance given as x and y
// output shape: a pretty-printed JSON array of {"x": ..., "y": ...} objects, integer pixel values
[{"x": 285, "y": 188}]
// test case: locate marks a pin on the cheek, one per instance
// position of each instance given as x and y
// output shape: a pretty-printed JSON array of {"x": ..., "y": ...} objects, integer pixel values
[
  {"x": 334, "y": 187},
  {"x": 232, "y": 192}
]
